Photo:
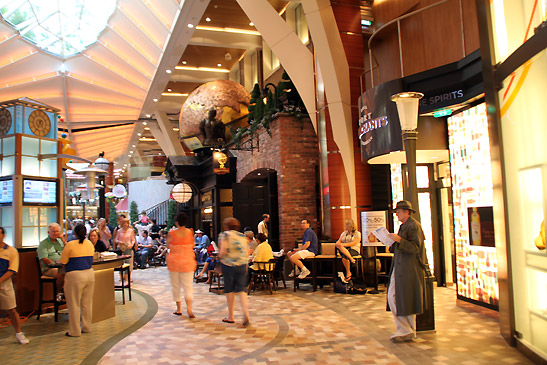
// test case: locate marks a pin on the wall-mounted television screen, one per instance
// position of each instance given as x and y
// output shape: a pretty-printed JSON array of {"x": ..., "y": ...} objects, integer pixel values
[
  {"x": 6, "y": 191},
  {"x": 39, "y": 192}
]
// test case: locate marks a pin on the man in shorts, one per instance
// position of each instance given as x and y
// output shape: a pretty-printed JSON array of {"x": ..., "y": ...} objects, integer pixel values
[
  {"x": 308, "y": 248},
  {"x": 9, "y": 264},
  {"x": 49, "y": 252}
]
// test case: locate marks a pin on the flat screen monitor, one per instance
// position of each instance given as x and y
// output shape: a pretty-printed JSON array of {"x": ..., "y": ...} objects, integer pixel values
[
  {"x": 6, "y": 191},
  {"x": 39, "y": 192}
]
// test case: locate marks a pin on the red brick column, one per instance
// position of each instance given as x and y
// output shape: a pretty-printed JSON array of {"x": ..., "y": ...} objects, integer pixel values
[{"x": 292, "y": 151}]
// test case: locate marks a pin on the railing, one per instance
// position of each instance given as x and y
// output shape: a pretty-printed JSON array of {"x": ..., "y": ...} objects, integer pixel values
[
  {"x": 398, "y": 22},
  {"x": 159, "y": 212}
]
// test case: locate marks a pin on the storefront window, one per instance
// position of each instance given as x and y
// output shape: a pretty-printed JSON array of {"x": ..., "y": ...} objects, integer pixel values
[
  {"x": 525, "y": 153},
  {"x": 473, "y": 201}
]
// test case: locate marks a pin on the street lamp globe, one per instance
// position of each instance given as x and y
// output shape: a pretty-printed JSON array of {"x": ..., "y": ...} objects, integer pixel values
[
  {"x": 102, "y": 163},
  {"x": 407, "y": 107}
]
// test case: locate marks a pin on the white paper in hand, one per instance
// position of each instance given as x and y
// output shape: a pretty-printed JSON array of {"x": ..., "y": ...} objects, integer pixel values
[{"x": 383, "y": 236}]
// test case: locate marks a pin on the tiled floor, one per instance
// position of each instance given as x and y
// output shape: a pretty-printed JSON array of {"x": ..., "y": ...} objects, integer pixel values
[
  {"x": 303, "y": 328},
  {"x": 289, "y": 328}
]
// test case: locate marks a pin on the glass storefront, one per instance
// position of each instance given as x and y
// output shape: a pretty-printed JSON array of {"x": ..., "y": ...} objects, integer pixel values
[
  {"x": 523, "y": 132},
  {"x": 472, "y": 198}
]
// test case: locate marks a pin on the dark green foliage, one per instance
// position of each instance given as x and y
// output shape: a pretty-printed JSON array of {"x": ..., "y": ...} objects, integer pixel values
[
  {"x": 113, "y": 216},
  {"x": 133, "y": 212},
  {"x": 171, "y": 213}
]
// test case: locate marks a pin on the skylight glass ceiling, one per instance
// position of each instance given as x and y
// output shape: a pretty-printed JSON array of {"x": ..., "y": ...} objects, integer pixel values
[{"x": 62, "y": 27}]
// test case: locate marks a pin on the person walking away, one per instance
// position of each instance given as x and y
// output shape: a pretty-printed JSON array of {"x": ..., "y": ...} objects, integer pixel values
[
  {"x": 9, "y": 264},
  {"x": 234, "y": 258},
  {"x": 406, "y": 279},
  {"x": 181, "y": 263},
  {"x": 77, "y": 258}
]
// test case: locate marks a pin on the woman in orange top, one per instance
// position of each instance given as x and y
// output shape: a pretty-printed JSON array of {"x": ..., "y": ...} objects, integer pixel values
[{"x": 181, "y": 263}]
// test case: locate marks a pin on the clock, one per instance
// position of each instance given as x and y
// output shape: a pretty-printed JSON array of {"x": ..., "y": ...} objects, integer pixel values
[
  {"x": 5, "y": 121},
  {"x": 39, "y": 123}
]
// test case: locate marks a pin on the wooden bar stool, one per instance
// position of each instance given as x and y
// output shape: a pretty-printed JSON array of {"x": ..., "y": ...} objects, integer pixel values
[{"x": 47, "y": 280}]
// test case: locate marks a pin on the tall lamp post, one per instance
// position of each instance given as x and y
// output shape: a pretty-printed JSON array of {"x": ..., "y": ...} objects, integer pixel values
[
  {"x": 102, "y": 163},
  {"x": 407, "y": 107}
]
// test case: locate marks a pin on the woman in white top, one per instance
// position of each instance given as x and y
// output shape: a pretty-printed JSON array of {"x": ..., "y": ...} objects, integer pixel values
[{"x": 349, "y": 244}]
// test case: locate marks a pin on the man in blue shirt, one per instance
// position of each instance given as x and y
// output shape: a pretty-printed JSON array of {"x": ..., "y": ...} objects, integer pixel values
[
  {"x": 201, "y": 241},
  {"x": 308, "y": 248}
]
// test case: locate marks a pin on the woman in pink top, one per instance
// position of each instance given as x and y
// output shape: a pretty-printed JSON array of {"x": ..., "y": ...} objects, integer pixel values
[
  {"x": 181, "y": 263},
  {"x": 125, "y": 240}
]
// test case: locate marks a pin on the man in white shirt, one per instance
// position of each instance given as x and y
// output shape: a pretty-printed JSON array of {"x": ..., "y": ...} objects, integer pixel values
[
  {"x": 263, "y": 225},
  {"x": 144, "y": 245}
]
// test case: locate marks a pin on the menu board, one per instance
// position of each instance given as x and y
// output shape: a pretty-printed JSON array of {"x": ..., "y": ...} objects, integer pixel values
[
  {"x": 6, "y": 191},
  {"x": 39, "y": 192},
  {"x": 371, "y": 221}
]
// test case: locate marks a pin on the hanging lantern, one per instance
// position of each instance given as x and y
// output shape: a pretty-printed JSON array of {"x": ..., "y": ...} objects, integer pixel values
[
  {"x": 182, "y": 192},
  {"x": 119, "y": 191}
]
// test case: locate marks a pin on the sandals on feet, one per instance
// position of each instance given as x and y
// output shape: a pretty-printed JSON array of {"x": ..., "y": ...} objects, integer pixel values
[
  {"x": 226, "y": 320},
  {"x": 177, "y": 313}
]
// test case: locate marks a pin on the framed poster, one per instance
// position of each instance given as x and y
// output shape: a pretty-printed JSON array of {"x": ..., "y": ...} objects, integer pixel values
[{"x": 371, "y": 221}]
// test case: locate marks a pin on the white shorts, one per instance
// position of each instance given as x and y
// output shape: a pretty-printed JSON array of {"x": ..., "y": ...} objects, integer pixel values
[
  {"x": 7, "y": 295},
  {"x": 304, "y": 254}
]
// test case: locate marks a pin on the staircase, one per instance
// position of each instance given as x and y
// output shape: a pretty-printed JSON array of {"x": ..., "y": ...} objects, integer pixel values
[{"x": 159, "y": 212}]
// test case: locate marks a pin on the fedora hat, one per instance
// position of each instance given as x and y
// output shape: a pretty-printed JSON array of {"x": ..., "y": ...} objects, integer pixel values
[
  {"x": 199, "y": 231},
  {"x": 404, "y": 204}
]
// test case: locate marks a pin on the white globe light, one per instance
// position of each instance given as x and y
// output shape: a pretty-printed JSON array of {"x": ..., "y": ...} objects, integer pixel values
[{"x": 182, "y": 192}]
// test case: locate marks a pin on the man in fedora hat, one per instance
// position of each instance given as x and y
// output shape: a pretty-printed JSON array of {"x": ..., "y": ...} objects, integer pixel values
[{"x": 406, "y": 279}]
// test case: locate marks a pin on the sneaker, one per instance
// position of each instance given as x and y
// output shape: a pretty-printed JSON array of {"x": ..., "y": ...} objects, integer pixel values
[
  {"x": 23, "y": 340},
  {"x": 305, "y": 272},
  {"x": 60, "y": 296},
  {"x": 291, "y": 275},
  {"x": 397, "y": 338}
]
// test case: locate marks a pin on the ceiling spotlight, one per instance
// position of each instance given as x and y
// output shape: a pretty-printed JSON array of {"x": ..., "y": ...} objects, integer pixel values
[
  {"x": 168, "y": 71},
  {"x": 207, "y": 19},
  {"x": 155, "y": 100},
  {"x": 219, "y": 64},
  {"x": 184, "y": 62},
  {"x": 190, "y": 25},
  {"x": 252, "y": 24},
  {"x": 148, "y": 115},
  {"x": 169, "y": 90},
  {"x": 130, "y": 151},
  {"x": 144, "y": 123},
  {"x": 139, "y": 134},
  {"x": 134, "y": 146}
]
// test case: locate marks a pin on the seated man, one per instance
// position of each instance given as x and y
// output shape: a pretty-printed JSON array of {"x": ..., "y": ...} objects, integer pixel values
[
  {"x": 308, "y": 248},
  {"x": 263, "y": 253},
  {"x": 201, "y": 241},
  {"x": 49, "y": 252},
  {"x": 209, "y": 265},
  {"x": 144, "y": 247}
]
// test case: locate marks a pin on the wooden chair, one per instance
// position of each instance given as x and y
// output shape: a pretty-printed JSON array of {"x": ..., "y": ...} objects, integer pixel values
[
  {"x": 279, "y": 271},
  {"x": 124, "y": 269},
  {"x": 263, "y": 277},
  {"x": 47, "y": 280},
  {"x": 216, "y": 274},
  {"x": 359, "y": 261}
]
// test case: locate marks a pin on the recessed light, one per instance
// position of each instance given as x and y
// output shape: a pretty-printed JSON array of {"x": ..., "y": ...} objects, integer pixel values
[
  {"x": 207, "y": 19},
  {"x": 190, "y": 25},
  {"x": 219, "y": 64},
  {"x": 252, "y": 24},
  {"x": 148, "y": 115},
  {"x": 184, "y": 62},
  {"x": 168, "y": 71},
  {"x": 144, "y": 123},
  {"x": 155, "y": 100},
  {"x": 139, "y": 134},
  {"x": 130, "y": 151},
  {"x": 169, "y": 90},
  {"x": 134, "y": 146}
]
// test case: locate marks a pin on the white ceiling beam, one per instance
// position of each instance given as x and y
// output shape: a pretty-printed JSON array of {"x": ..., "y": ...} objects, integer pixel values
[
  {"x": 111, "y": 51},
  {"x": 138, "y": 26},
  {"x": 210, "y": 38},
  {"x": 190, "y": 11},
  {"x": 171, "y": 144},
  {"x": 132, "y": 45}
]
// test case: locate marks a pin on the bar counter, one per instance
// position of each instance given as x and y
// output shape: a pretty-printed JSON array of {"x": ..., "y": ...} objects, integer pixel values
[{"x": 27, "y": 285}]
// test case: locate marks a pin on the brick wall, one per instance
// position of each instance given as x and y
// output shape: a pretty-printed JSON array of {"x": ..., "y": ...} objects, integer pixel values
[{"x": 292, "y": 151}]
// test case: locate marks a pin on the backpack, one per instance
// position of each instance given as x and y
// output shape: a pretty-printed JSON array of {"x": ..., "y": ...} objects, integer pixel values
[{"x": 341, "y": 287}]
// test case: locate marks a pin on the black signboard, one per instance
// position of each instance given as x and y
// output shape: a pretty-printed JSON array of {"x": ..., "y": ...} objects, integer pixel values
[{"x": 379, "y": 127}]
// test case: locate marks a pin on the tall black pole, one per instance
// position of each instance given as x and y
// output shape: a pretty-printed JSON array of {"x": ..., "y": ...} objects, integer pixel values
[{"x": 409, "y": 140}]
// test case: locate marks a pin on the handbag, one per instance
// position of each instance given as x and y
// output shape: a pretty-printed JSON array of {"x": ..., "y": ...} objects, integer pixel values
[{"x": 343, "y": 288}]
